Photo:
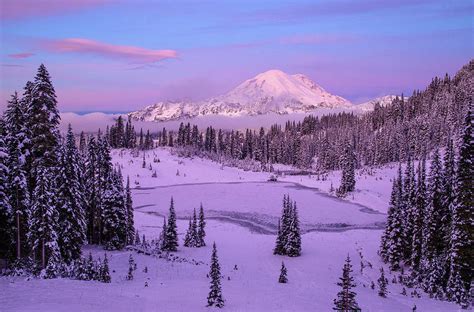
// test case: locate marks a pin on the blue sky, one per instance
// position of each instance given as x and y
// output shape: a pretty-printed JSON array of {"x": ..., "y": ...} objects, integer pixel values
[{"x": 107, "y": 55}]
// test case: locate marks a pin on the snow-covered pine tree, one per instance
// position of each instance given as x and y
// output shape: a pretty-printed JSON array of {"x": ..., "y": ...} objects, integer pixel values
[
  {"x": 391, "y": 249},
  {"x": 215, "y": 293},
  {"x": 71, "y": 202},
  {"x": 113, "y": 213},
  {"x": 43, "y": 120},
  {"x": 42, "y": 235},
  {"x": 345, "y": 300},
  {"x": 194, "y": 231},
  {"x": 104, "y": 272},
  {"x": 435, "y": 253},
  {"x": 129, "y": 211},
  {"x": 408, "y": 208},
  {"x": 382, "y": 282},
  {"x": 279, "y": 247},
  {"x": 283, "y": 272},
  {"x": 6, "y": 218},
  {"x": 131, "y": 267},
  {"x": 188, "y": 239},
  {"x": 284, "y": 227},
  {"x": 293, "y": 241},
  {"x": 201, "y": 231},
  {"x": 348, "y": 171},
  {"x": 171, "y": 230},
  {"x": 92, "y": 192},
  {"x": 17, "y": 143},
  {"x": 418, "y": 221},
  {"x": 162, "y": 238},
  {"x": 461, "y": 245}
]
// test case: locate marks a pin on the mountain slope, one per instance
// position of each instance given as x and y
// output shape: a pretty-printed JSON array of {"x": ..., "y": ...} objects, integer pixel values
[
  {"x": 270, "y": 92},
  {"x": 369, "y": 106}
]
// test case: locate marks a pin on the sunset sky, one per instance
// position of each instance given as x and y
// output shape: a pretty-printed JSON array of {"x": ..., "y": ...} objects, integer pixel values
[{"x": 123, "y": 55}]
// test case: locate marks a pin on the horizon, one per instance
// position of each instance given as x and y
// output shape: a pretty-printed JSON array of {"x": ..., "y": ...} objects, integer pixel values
[{"x": 120, "y": 56}]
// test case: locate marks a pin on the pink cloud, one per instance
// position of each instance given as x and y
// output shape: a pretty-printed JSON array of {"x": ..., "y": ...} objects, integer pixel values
[
  {"x": 15, "y": 9},
  {"x": 134, "y": 54},
  {"x": 21, "y": 55}
]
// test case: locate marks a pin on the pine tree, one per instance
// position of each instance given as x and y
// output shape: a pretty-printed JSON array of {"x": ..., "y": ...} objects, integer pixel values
[
  {"x": 418, "y": 222},
  {"x": 17, "y": 143},
  {"x": 382, "y": 282},
  {"x": 6, "y": 224},
  {"x": 43, "y": 120},
  {"x": 293, "y": 243},
  {"x": 113, "y": 213},
  {"x": 201, "y": 231},
  {"x": 188, "y": 238},
  {"x": 284, "y": 227},
  {"x": 163, "y": 237},
  {"x": 43, "y": 225},
  {"x": 279, "y": 247},
  {"x": 131, "y": 267},
  {"x": 348, "y": 171},
  {"x": 461, "y": 244},
  {"x": 435, "y": 251},
  {"x": 104, "y": 272},
  {"x": 283, "y": 278},
  {"x": 129, "y": 211},
  {"x": 71, "y": 202},
  {"x": 171, "y": 230},
  {"x": 345, "y": 300},
  {"x": 215, "y": 294},
  {"x": 408, "y": 208}
]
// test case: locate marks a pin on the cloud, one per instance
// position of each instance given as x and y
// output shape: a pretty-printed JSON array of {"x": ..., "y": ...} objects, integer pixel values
[
  {"x": 87, "y": 46},
  {"x": 21, "y": 55},
  {"x": 18, "y": 9}
]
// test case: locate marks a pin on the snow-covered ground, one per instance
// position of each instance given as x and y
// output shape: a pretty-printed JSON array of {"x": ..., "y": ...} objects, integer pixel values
[{"x": 242, "y": 208}]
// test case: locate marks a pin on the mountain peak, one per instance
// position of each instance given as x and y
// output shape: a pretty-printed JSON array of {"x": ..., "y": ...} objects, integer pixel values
[{"x": 272, "y": 91}]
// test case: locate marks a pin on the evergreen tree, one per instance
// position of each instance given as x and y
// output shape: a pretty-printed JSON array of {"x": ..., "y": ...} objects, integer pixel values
[
  {"x": 43, "y": 120},
  {"x": 129, "y": 211},
  {"x": 283, "y": 278},
  {"x": 382, "y": 282},
  {"x": 163, "y": 237},
  {"x": 293, "y": 242},
  {"x": 279, "y": 247},
  {"x": 188, "y": 240},
  {"x": 131, "y": 267},
  {"x": 345, "y": 300},
  {"x": 201, "y": 231},
  {"x": 71, "y": 202},
  {"x": 113, "y": 213},
  {"x": 215, "y": 294},
  {"x": 17, "y": 143},
  {"x": 408, "y": 208},
  {"x": 418, "y": 222},
  {"x": 171, "y": 230},
  {"x": 348, "y": 171},
  {"x": 6, "y": 226},
  {"x": 104, "y": 273},
  {"x": 461, "y": 245},
  {"x": 42, "y": 235},
  {"x": 435, "y": 245}
]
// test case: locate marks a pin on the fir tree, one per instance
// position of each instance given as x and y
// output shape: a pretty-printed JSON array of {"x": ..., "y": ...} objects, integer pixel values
[
  {"x": 114, "y": 213},
  {"x": 129, "y": 211},
  {"x": 6, "y": 226},
  {"x": 171, "y": 241},
  {"x": 104, "y": 273},
  {"x": 131, "y": 267},
  {"x": 345, "y": 300},
  {"x": 418, "y": 222},
  {"x": 43, "y": 225},
  {"x": 279, "y": 247},
  {"x": 461, "y": 244},
  {"x": 201, "y": 231},
  {"x": 382, "y": 282},
  {"x": 435, "y": 251},
  {"x": 188, "y": 240},
  {"x": 293, "y": 243},
  {"x": 215, "y": 293},
  {"x": 163, "y": 238},
  {"x": 283, "y": 278},
  {"x": 17, "y": 143},
  {"x": 348, "y": 171},
  {"x": 72, "y": 232}
]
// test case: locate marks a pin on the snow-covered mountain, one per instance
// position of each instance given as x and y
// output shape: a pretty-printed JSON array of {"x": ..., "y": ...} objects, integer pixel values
[
  {"x": 270, "y": 92},
  {"x": 369, "y": 106}
]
